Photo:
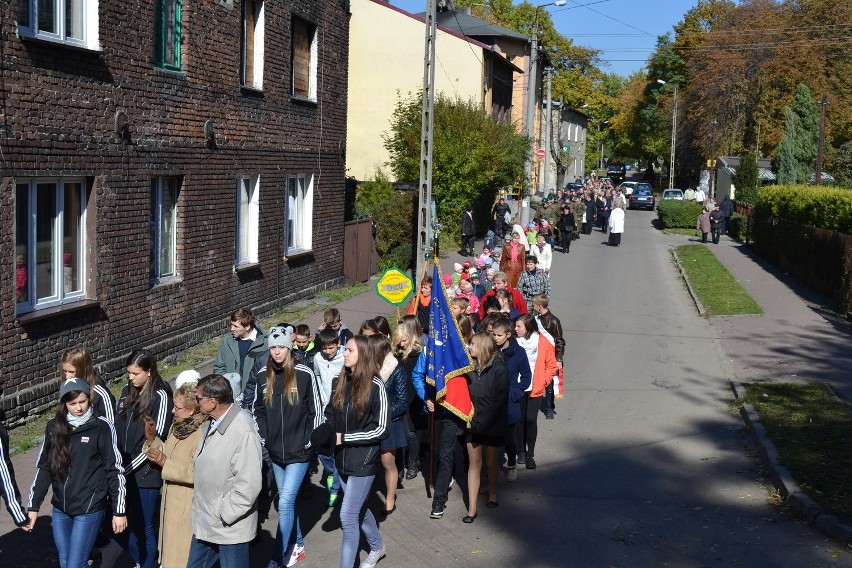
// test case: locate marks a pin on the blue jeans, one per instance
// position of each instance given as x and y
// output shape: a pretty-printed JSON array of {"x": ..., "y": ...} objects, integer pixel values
[
  {"x": 354, "y": 514},
  {"x": 288, "y": 479},
  {"x": 75, "y": 536},
  {"x": 140, "y": 538},
  {"x": 203, "y": 554},
  {"x": 330, "y": 468}
]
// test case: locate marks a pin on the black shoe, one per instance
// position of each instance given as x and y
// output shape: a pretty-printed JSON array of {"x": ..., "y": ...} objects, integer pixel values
[
  {"x": 469, "y": 518},
  {"x": 522, "y": 457},
  {"x": 549, "y": 415},
  {"x": 530, "y": 463},
  {"x": 437, "y": 512}
]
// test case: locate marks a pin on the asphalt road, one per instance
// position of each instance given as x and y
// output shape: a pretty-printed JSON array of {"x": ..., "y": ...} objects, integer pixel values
[{"x": 644, "y": 465}]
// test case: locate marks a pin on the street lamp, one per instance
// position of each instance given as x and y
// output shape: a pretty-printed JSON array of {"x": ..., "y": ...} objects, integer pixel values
[
  {"x": 674, "y": 135},
  {"x": 531, "y": 80}
]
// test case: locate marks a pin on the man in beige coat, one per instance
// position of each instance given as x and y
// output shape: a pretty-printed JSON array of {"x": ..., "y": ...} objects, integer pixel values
[{"x": 227, "y": 480}]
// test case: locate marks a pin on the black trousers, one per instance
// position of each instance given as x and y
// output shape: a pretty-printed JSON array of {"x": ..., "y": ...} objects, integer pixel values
[
  {"x": 449, "y": 439},
  {"x": 565, "y": 238},
  {"x": 468, "y": 243},
  {"x": 614, "y": 239}
]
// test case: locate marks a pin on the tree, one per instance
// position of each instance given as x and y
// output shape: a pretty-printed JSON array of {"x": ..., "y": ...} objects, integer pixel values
[
  {"x": 843, "y": 159},
  {"x": 473, "y": 156},
  {"x": 746, "y": 180},
  {"x": 795, "y": 158}
]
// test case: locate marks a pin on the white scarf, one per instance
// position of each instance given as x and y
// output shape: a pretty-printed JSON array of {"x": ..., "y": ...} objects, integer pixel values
[{"x": 77, "y": 421}]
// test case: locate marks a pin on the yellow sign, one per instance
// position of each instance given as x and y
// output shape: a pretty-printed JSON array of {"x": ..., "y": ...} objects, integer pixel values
[{"x": 394, "y": 286}]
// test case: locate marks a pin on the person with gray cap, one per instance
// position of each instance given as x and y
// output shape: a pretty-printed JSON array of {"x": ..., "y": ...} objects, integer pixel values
[
  {"x": 286, "y": 409},
  {"x": 80, "y": 461}
]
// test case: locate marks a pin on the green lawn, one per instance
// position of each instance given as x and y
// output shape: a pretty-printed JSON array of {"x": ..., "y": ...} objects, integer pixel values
[
  {"x": 715, "y": 287},
  {"x": 812, "y": 432}
]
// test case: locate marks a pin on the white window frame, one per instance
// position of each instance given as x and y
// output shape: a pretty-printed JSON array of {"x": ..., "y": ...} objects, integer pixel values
[
  {"x": 257, "y": 46},
  {"x": 57, "y": 261},
  {"x": 159, "y": 185},
  {"x": 248, "y": 216},
  {"x": 88, "y": 22},
  {"x": 299, "y": 210},
  {"x": 313, "y": 65}
]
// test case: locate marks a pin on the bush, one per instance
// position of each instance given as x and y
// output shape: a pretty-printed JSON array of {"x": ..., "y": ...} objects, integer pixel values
[
  {"x": 678, "y": 214},
  {"x": 825, "y": 207},
  {"x": 738, "y": 227},
  {"x": 393, "y": 212}
]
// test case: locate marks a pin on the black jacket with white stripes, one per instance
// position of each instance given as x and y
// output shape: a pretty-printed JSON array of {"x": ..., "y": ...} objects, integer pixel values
[
  {"x": 358, "y": 454},
  {"x": 95, "y": 471},
  {"x": 131, "y": 436}
]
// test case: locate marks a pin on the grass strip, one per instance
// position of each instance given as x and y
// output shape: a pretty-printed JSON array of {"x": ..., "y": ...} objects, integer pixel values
[
  {"x": 717, "y": 289},
  {"x": 679, "y": 231},
  {"x": 812, "y": 432},
  {"x": 29, "y": 435}
]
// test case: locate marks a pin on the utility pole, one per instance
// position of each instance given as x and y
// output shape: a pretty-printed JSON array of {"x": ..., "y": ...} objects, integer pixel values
[
  {"x": 531, "y": 81},
  {"x": 823, "y": 103},
  {"x": 425, "y": 247},
  {"x": 674, "y": 141},
  {"x": 545, "y": 179}
]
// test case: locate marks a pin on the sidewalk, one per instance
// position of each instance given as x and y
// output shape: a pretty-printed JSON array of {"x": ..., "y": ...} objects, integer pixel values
[{"x": 794, "y": 340}]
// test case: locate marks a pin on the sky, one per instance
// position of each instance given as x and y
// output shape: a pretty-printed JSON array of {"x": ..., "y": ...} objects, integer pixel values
[{"x": 625, "y": 31}]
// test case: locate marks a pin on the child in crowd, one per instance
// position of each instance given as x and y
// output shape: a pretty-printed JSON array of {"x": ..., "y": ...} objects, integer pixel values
[
  {"x": 476, "y": 284},
  {"x": 486, "y": 257},
  {"x": 328, "y": 362},
  {"x": 450, "y": 285},
  {"x": 466, "y": 292},
  {"x": 458, "y": 269},
  {"x": 331, "y": 319},
  {"x": 304, "y": 349}
]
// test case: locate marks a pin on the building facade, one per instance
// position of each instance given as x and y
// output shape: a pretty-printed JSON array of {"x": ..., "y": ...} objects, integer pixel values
[
  {"x": 386, "y": 49},
  {"x": 164, "y": 162}
]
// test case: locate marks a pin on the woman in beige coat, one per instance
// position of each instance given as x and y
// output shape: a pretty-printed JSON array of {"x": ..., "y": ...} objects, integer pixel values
[{"x": 176, "y": 456}]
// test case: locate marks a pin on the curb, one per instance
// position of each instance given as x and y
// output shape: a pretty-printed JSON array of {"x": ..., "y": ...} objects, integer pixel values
[
  {"x": 804, "y": 506},
  {"x": 698, "y": 305}
]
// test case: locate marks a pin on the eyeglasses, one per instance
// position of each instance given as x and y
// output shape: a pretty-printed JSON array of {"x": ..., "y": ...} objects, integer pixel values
[
  {"x": 200, "y": 398},
  {"x": 176, "y": 407}
]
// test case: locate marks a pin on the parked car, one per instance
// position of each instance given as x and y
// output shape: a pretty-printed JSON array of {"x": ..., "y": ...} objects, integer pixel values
[
  {"x": 628, "y": 186},
  {"x": 673, "y": 194},
  {"x": 642, "y": 198}
]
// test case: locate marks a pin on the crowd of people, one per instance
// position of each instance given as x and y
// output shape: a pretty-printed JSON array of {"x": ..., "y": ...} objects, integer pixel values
[{"x": 182, "y": 474}]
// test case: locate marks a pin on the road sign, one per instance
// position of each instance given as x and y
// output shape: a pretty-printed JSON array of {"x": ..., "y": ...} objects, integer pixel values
[
  {"x": 394, "y": 286},
  {"x": 540, "y": 152}
]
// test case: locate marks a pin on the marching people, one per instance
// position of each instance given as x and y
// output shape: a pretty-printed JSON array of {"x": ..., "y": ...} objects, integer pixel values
[
  {"x": 541, "y": 357},
  {"x": 407, "y": 344},
  {"x": 77, "y": 363},
  {"x": 566, "y": 229},
  {"x": 227, "y": 480},
  {"x": 79, "y": 461},
  {"x": 717, "y": 223},
  {"x": 286, "y": 406},
  {"x": 488, "y": 384},
  {"x": 616, "y": 227},
  {"x": 547, "y": 320},
  {"x": 513, "y": 257},
  {"x": 176, "y": 457},
  {"x": 468, "y": 232},
  {"x": 533, "y": 281},
  {"x": 10, "y": 491},
  {"x": 543, "y": 253},
  {"x": 144, "y": 395},
  {"x": 327, "y": 366},
  {"x": 245, "y": 342},
  {"x": 359, "y": 413}
]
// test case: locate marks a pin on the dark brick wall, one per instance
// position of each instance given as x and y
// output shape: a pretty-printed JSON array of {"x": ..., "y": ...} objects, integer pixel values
[{"x": 58, "y": 120}]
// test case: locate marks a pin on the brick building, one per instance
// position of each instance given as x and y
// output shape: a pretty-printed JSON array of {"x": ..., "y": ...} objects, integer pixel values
[{"x": 163, "y": 162}]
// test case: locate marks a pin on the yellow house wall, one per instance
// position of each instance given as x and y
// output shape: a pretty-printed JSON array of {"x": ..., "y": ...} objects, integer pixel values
[{"x": 385, "y": 62}]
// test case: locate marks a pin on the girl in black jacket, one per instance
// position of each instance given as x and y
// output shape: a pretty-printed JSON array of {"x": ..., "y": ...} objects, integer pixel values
[
  {"x": 146, "y": 394},
  {"x": 80, "y": 461},
  {"x": 77, "y": 363},
  {"x": 359, "y": 413},
  {"x": 489, "y": 391},
  {"x": 286, "y": 411}
]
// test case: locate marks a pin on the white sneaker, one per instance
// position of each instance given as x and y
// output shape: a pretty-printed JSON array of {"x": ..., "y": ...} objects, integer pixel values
[
  {"x": 297, "y": 555},
  {"x": 373, "y": 558},
  {"x": 512, "y": 474}
]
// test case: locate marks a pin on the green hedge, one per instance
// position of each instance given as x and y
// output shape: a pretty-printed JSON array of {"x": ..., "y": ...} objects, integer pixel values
[
  {"x": 675, "y": 214},
  {"x": 825, "y": 207},
  {"x": 738, "y": 227}
]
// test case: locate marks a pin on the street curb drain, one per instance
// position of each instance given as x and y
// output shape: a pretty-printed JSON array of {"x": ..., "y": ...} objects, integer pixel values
[
  {"x": 698, "y": 305},
  {"x": 804, "y": 506}
]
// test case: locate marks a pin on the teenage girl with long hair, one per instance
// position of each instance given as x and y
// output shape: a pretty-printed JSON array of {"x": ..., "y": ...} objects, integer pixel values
[
  {"x": 80, "y": 462},
  {"x": 407, "y": 342},
  {"x": 396, "y": 386},
  {"x": 145, "y": 394},
  {"x": 77, "y": 362},
  {"x": 541, "y": 355},
  {"x": 360, "y": 414},
  {"x": 489, "y": 390},
  {"x": 286, "y": 408}
]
